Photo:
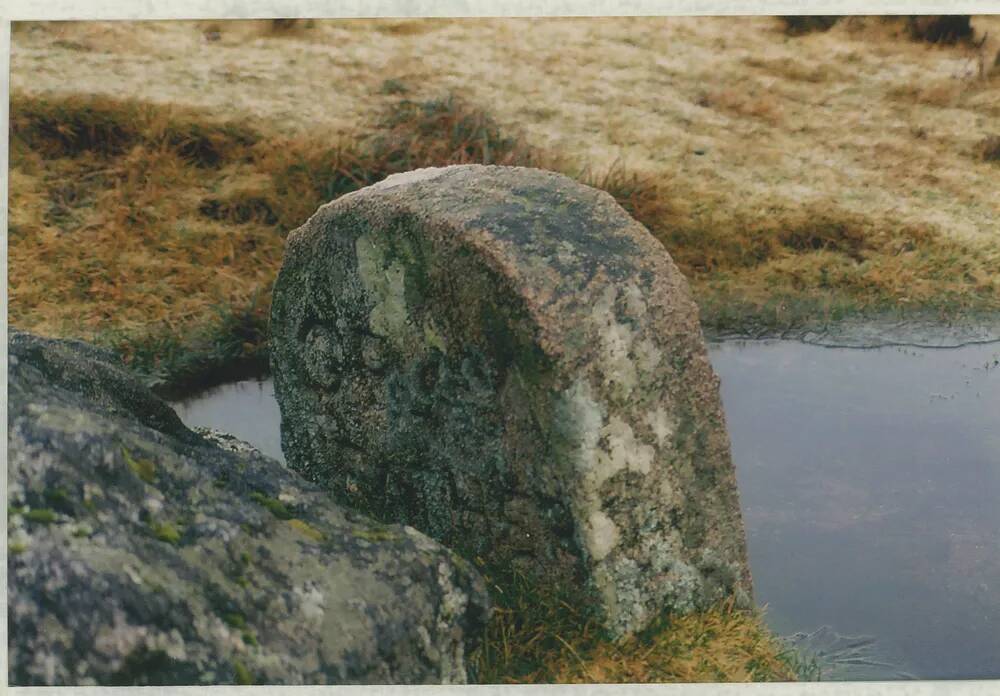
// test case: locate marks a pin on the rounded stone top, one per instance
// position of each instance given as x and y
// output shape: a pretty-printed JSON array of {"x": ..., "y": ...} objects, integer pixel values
[{"x": 557, "y": 244}]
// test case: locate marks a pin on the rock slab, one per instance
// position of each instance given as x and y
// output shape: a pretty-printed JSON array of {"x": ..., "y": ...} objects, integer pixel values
[
  {"x": 140, "y": 553},
  {"x": 504, "y": 359}
]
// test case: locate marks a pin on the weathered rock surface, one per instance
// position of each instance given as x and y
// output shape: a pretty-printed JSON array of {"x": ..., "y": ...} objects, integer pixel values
[
  {"x": 139, "y": 553},
  {"x": 504, "y": 359},
  {"x": 97, "y": 374}
]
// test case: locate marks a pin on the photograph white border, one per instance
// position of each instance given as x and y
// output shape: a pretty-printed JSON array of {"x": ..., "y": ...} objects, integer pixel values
[
  {"x": 256, "y": 9},
  {"x": 15, "y": 10}
]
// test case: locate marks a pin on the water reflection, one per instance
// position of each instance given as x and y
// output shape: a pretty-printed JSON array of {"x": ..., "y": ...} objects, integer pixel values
[
  {"x": 247, "y": 410},
  {"x": 869, "y": 481}
]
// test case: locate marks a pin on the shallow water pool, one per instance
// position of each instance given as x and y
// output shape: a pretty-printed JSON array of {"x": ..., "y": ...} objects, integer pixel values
[
  {"x": 870, "y": 487},
  {"x": 246, "y": 409}
]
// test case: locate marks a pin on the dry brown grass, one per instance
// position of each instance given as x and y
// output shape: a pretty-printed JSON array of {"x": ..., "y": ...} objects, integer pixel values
[
  {"x": 743, "y": 101},
  {"x": 950, "y": 93},
  {"x": 540, "y": 636},
  {"x": 792, "y": 69},
  {"x": 142, "y": 223},
  {"x": 716, "y": 645},
  {"x": 595, "y": 91},
  {"x": 719, "y": 645},
  {"x": 105, "y": 230}
]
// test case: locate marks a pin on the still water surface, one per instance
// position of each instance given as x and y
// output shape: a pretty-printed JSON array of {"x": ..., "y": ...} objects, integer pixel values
[{"x": 870, "y": 486}]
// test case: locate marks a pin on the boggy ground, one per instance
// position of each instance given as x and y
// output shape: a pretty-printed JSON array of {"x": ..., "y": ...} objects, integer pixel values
[{"x": 796, "y": 180}]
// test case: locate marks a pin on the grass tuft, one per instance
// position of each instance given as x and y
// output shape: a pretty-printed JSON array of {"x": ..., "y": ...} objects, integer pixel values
[
  {"x": 230, "y": 343},
  {"x": 797, "y": 25},
  {"x": 393, "y": 86},
  {"x": 234, "y": 619},
  {"x": 444, "y": 131},
  {"x": 75, "y": 125},
  {"x": 273, "y": 505},
  {"x": 989, "y": 147},
  {"x": 943, "y": 29},
  {"x": 543, "y": 636}
]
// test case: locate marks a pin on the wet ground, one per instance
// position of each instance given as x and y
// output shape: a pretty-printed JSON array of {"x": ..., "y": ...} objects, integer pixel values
[{"x": 870, "y": 486}]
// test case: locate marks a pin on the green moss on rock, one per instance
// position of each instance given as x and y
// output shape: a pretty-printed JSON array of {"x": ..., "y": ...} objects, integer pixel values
[
  {"x": 166, "y": 531},
  {"x": 273, "y": 505},
  {"x": 307, "y": 530},
  {"x": 375, "y": 534},
  {"x": 41, "y": 516},
  {"x": 143, "y": 468},
  {"x": 235, "y": 620}
]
